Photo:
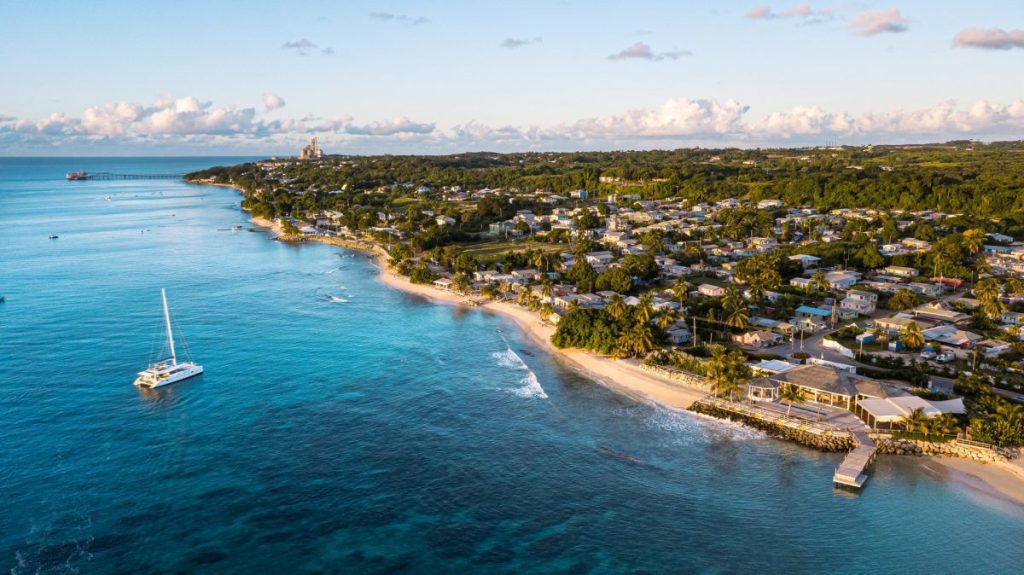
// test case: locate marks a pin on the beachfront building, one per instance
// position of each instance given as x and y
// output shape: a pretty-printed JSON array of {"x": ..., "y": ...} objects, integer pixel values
[
  {"x": 828, "y": 385},
  {"x": 892, "y": 412}
]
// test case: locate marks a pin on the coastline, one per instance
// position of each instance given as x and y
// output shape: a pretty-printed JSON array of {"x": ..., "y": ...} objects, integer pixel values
[
  {"x": 620, "y": 375},
  {"x": 1003, "y": 481}
]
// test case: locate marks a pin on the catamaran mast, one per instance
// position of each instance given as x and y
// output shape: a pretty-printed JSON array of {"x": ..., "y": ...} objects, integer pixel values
[{"x": 167, "y": 320}]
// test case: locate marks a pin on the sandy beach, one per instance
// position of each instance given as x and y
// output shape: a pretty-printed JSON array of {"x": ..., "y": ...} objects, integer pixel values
[
  {"x": 1000, "y": 480},
  {"x": 624, "y": 376}
]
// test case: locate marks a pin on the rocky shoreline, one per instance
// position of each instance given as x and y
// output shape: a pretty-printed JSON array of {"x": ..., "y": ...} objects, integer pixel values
[
  {"x": 897, "y": 446},
  {"x": 827, "y": 442}
]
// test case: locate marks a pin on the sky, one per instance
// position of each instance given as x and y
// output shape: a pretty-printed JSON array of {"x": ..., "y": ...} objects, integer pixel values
[{"x": 234, "y": 77}]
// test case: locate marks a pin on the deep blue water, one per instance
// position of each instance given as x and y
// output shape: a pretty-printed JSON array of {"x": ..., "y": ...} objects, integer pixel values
[{"x": 373, "y": 431}]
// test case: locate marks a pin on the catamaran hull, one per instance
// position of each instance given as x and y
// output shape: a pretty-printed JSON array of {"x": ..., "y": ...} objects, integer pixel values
[{"x": 183, "y": 374}]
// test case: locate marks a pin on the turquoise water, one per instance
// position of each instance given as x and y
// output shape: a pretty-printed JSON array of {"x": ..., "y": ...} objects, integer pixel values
[{"x": 372, "y": 431}]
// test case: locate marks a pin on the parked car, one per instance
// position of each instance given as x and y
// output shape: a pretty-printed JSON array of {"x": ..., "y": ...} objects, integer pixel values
[
  {"x": 928, "y": 354},
  {"x": 945, "y": 357},
  {"x": 1018, "y": 399}
]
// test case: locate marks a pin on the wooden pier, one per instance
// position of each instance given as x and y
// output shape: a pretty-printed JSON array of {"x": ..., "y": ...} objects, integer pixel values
[
  {"x": 113, "y": 176},
  {"x": 852, "y": 472}
]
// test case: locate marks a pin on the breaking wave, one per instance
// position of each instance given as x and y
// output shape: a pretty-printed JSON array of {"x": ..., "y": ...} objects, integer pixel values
[{"x": 529, "y": 385}]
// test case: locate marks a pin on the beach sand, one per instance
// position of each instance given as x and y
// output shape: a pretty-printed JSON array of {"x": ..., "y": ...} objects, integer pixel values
[{"x": 1000, "y": 480}]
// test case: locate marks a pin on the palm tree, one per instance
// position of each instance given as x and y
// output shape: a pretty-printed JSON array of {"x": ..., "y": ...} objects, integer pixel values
[
  {"x": 912, "y": 335},
  {"x": 545, "y": 288},
  {"x": 540, "y": 260},
  {"x": 790, "y": 394},
  {"x": 1008, "y": 419},
  {"x": 736, "y": 314},
  {"x": 988, "y": 291},
  {"x": 667, "y": 318},
  {"x": 679, "y": 289},
  {"x": 545, "y": 311},
  {"x": 643, "y": 339},
  {"x": 974, "y": 240},
  {"x": 645, "y": 309},
  {"x": 916, "y": 421},
  {"x": 726, "y": 372},
  {"x": 945, "y": 424},
  {"x": 819, "y": 282},
  {"x": 1014, "y": 285},
  {"x": 617, "y": 307}
]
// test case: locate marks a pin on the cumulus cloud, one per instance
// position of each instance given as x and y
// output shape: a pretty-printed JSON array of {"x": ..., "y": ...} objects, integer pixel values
[
  {"x": 197, "y": 124},
  {"x": 513, "y": 43},
  {"x": 879, "y": 21},
  {"x": 641, "y": 51},
  {"x": 272, "y": 101},
  {"x": 401, "y": 125},
  {"x": 398, "y": 18},
  {"x": 989, "y": 38}
]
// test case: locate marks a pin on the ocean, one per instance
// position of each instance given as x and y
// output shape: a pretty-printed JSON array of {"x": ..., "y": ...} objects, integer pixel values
[{"x": 342, "y": 426}]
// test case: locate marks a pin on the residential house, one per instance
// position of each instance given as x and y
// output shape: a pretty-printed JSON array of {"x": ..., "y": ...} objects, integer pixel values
[
  {"x": 806, "y": 261},
  {"x": 709, "y": 290},
  {"x": 758, "y": 339},
  {"x": 927, "y": 290},
  {"x": 940, "y": 311},
  {"x": 952, "y": 336},
  {"x": 859, "y": 302},
  {"x": 842, "y": 279},
  {"x": 900, "y": 271}
]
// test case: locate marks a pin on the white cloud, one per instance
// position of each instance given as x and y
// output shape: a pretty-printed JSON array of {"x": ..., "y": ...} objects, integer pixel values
[
  {"x": 676, "y": 117},
  {"x": 798, "y": 11},
  {"x": 989, "y": 38},
  {"x": 191, "y": 123},
  {"x": 513, "y": 43},
  {"x": 398, "y": 18},
  {"x": 401, "y": 125},
  {"x": 272, "y": 101},
  {"x": 641, "y": 51},
  {"x": 879, "y": 21},
  {"x": 304, "y": 46}
]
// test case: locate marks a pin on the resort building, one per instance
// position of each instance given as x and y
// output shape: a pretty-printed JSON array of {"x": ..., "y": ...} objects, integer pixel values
[
  {"x": 312, "y": 151},
  {"x": 828, "y": 385},
  {"x": 892, "y": 412}
]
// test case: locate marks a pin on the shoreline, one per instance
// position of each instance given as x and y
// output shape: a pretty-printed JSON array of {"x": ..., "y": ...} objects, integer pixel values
[{"x": 1003, "y": 481}]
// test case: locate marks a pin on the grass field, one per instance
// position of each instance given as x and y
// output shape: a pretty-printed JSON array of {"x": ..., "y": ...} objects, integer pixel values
[{"x": 491, "y": 251}]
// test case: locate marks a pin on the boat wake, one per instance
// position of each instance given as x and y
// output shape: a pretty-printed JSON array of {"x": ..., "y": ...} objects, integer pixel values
[
  {"x": 337, "y": 299},
  {"x": 529, "y": 385}
]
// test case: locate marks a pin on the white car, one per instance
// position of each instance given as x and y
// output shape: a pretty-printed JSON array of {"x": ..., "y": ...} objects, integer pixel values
[
  {"x": 945, "y": 357},
  {"x": 928, "y": 354}
]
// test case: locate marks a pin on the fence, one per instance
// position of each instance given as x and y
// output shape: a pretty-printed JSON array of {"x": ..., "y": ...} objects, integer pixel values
[{"x": 772, "y": 416}]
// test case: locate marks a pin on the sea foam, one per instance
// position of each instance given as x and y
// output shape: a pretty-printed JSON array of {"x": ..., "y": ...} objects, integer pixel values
[{"x": 529, "y": 385}]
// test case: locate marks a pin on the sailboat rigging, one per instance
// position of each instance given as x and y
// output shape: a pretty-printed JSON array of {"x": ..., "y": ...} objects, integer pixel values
[{"x": 167, "y": 370}]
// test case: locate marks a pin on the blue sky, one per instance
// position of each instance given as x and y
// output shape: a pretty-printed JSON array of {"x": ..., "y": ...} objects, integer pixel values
[{"x": 408, "y": 77}]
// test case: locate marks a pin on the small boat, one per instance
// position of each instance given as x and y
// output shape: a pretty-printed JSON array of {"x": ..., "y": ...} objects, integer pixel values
[
  {"x": 76, "y": 176},
  {"x": 167, "y": 371},
  {"x": 54, "y": 236},
  {"x": 526, "y": 351},
  {"x": 108, "y": 198}
]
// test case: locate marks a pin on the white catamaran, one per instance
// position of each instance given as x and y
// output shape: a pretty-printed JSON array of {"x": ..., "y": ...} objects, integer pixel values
[{"x": 168, "y": 370}]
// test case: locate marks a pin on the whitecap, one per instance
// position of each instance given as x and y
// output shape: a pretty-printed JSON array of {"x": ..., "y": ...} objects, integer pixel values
[
  {"x": 337, "y": 299},
  {"x": 529, "y": 384}
]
